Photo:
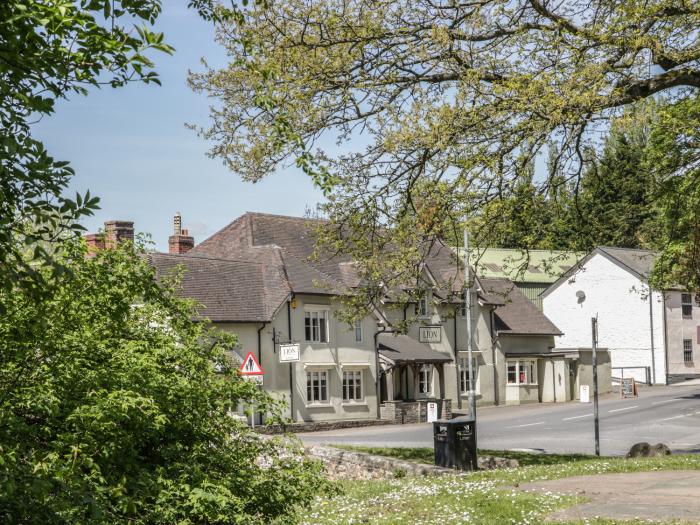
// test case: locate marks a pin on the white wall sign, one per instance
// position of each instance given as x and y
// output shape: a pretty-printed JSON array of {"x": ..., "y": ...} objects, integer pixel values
[
  {"x": 584, "y": 394},
  {"x": 430, "y": 334},
  {"x": 289, "y": 353},
  {"x": 432, "y": 412}
]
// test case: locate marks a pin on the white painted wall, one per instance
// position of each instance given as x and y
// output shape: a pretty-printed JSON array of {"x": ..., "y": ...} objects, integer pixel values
[{"x": 621, "y": 302}]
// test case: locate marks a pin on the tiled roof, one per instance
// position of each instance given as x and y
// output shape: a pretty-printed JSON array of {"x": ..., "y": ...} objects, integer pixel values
[
  {"x": 402, "y": 348},
  {"x": 249, "y": 288},
  {"x": 518, "y": 315}
]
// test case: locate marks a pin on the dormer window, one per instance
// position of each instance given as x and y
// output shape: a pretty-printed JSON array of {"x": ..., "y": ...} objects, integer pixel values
[{"x": 422, "y": 306}]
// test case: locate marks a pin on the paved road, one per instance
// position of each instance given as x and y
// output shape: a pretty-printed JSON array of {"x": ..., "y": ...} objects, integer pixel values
[{"x": 660, "y": 414}]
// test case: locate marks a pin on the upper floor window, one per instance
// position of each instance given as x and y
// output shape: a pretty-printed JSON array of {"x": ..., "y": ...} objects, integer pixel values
[
  {"x": 358, "y": 331},
  {"x": 688, "y": 351},
  {"x": 316, "y": 326},
  {"x": 687, "y": 305},
  {"x": 463, "y": 304},
  {"x": 422, "y": 306}
]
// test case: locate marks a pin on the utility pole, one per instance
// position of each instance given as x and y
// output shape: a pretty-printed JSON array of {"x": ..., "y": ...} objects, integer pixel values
[
  {"x": 468, "y": 304},
  {"x": 594, "y": 347}
]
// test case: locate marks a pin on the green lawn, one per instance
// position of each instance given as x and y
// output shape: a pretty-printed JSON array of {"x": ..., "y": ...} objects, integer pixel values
[
  {"x": 425, "y": 455},
  {"x": 486, "y": 497}
]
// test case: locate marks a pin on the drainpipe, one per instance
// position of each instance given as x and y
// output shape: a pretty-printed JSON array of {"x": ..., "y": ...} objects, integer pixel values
[
  {"x": 260, "y": 357},
  {"x": 459, "y": 385},
  {"x": 651, "y": 330},
  {"x": 291, "y": 365},
  {"x": 378, "y": 389},
  {"x": 496, "y": 395},
  {"x": 663, "y": 317}
]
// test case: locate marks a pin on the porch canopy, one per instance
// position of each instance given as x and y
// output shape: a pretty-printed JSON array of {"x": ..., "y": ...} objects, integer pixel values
[{"x": 401, "y": 352}]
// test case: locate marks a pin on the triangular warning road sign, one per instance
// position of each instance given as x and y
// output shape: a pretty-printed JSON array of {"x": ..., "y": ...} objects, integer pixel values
[{"x": 250, "y": 366}]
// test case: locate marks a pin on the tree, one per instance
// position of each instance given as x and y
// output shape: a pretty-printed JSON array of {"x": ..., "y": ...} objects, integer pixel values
[
  {"x": 50, "y": 49},
  {"x": 115, "y": 407},
  {"x": 458, "y": 94}
]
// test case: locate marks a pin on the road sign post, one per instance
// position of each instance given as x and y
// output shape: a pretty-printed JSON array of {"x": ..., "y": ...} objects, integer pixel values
[{"x": 594, "y": 347}]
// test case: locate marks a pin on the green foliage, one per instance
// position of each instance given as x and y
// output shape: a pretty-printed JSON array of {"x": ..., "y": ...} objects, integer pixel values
[
  {"x": 464, "y": 97},
  {"x": 116, "y": 407}
]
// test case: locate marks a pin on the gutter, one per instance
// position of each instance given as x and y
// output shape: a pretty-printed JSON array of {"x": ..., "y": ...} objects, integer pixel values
[
  {"x": 264, "y": 323},
  {"x": 496, "y": 399},
  {"x": 651, "y": 331},
  {"x": 665, "y": 321},
  {"x": 292, "y": 366}
]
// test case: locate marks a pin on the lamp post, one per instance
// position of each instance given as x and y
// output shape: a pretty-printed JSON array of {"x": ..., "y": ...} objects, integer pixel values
[
  {"x": 468, "y": 305},
  {"x": 594, "y": 347}
]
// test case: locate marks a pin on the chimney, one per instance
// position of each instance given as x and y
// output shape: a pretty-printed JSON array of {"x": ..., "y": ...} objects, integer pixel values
[
  {"x": 95, "y": 242},
  {"x": 117, "y": 232},
  {"x": 180, "y": 241}
]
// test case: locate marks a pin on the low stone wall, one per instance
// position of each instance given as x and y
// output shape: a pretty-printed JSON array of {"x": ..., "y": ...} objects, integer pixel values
[
  {"x": 345, "y": 464},
  {"x": 317, "y": 426},
  {"x": 407, "y": 412}
]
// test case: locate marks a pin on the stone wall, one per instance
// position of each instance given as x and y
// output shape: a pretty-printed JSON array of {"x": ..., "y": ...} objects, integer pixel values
[
  {"x": 317, "y": 426},
  {"x": 345, "y": 464},
  {"x": 407, "y": 412}
]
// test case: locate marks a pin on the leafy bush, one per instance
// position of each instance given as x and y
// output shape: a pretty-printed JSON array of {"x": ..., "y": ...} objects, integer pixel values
[{"x": 116, "y": 407}]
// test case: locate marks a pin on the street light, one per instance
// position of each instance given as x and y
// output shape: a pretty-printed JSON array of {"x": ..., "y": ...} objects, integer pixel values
[{"x": 580, "y": 298}]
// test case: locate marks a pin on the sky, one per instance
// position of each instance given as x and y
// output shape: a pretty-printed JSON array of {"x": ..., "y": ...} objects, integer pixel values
[{"x": 130, "y": 147}]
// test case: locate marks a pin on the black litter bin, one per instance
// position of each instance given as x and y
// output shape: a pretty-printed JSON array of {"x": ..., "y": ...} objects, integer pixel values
[{"x": 455, "y": 443}]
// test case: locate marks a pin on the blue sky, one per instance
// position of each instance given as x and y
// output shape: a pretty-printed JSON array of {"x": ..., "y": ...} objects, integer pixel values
[{"x": 131, "y": 148}]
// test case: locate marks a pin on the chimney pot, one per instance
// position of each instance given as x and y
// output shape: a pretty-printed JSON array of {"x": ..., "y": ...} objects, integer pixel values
[{"x": 180, "y": 242}]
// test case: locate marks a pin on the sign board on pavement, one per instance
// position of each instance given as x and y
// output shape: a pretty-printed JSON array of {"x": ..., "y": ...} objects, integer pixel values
[
  {"x": 432, "y": 412},
  {"x": 289, "y": 352},
  {"x": 584, "y": 394},
  {"x": 628, "y": 388},
  {"x": 251, "y": 366}
]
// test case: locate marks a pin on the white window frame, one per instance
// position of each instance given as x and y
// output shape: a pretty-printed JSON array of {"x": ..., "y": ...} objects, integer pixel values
[
  {"x": 320, "y": 313},
  {"x": 358, "y": 331},
  {"x": 463, "y": 305},
  {"x": 687, "y": 304},
  {"x": 688, "y": 348},
  {"x": 425, "y": 381},
  {"x": 356, "y": 376},
  {"x": 422, "y": 307},
  {"x": 529, "y": 366},
  {"x": 464, "y": 375},
  {"x": 317, "y": 375}
]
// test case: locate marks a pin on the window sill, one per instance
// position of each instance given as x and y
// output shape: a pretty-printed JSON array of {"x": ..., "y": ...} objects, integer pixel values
[
  {"x": 522, "y": 384},
  {"x": 318, "y": 405},
  {"x": 354, "y": 403}
]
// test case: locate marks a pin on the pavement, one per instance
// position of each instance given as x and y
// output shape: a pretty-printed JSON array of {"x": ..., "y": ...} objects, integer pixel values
[
  {"x": 665, "y": 414},
  {"x": 657, "y": 496}
]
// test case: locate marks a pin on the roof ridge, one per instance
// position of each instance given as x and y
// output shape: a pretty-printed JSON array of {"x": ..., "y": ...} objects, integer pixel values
[
  {"x": 627, "y": 249},
  {"x": 206, "y": 257},
  {"x": 280, "y": 216}
]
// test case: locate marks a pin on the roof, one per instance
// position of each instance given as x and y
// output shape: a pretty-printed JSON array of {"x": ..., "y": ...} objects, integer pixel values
[
  {"x": 522, "y": 266},
  {"x": 400, "y": 348},
  {"x": 519, "y": 315},
  {"x": 247, "y": 289},
  {"x": 635, "y": 261}
]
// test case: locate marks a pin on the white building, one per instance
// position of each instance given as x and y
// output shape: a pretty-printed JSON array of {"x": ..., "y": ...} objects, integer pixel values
[{"x": 650, "y": 335}]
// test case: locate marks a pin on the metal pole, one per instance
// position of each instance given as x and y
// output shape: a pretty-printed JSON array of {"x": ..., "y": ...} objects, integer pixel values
[
  {"x": 594, "y": 331},
  {"x": 468, "y": 301}
]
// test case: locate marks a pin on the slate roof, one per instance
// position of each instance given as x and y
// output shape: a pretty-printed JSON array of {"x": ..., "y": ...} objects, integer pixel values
[
  {"x": 247, "y": 289},
  {"x": 518, "y": 315},
  {"x": 402, "y": 348}
]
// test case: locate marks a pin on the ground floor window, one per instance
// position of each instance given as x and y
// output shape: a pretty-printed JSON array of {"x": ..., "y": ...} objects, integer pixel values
[
  {"x": 425, "y": 380},
  {"x": 464, "y": 374},
  {"x": 317, "y": 387},
  {"x": 352, "y": 386},
  {"x": 522, "y": 372},
  {"x": 688, "y": 351}
]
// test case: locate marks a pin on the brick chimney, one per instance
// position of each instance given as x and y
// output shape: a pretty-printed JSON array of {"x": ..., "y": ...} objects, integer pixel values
[
  {"x": 180, "y": 241},
  {"x": 117, "y": 232},
  {"x": 95, "y": 242}
]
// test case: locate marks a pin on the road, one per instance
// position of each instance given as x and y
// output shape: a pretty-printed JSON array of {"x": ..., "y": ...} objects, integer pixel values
[{"x": 668, "y": 415}]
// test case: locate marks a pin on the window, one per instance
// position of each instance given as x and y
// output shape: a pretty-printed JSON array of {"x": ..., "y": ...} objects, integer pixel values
[
  {"x": 352, "y": 386},
  {"x": 463, "y": 305},
  {"x": 687, "y": 305},
  {"x": 316, "y": 326},
  {"x": 422, "y": 306},
  {"x": 317, "y": 387},
  {"x": 358, "y": 331},
  {"x": 425, "y": 376},
  {"x": 688, "y": 351},
  {"x": 522, "y": 372},
  {"x": 464, "y": 374}
]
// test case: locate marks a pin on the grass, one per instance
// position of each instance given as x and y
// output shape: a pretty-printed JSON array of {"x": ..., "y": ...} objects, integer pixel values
[
  {"x": 425, "y": 455},
  {"x": 485, "y": 497}
]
